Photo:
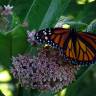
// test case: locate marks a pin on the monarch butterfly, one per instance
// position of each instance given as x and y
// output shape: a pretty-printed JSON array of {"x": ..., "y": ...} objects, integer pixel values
[{"x": 77, "y": 47}]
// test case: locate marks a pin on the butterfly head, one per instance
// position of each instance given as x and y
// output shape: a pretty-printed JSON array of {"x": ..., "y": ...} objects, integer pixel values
[
  {"x": 42, "y": 35},
  {"x": 72, "y": 30}
]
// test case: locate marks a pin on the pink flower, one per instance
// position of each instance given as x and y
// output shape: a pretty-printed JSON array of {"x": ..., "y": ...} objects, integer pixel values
[
  {"x": 31, "y": 38},
  {"x": 46, "y": 71},
  {"x": 7, "y": 10}
]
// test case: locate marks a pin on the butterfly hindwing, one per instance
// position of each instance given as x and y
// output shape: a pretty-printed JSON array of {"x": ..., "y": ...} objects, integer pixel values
[{"x": 83, "y": 51}]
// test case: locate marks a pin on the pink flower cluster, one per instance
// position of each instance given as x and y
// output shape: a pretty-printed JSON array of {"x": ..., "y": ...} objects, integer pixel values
[
  {"x": 31, "y": 38},
  {"x": 46, "y": 71},
  {"x": 6, "y": 10}
]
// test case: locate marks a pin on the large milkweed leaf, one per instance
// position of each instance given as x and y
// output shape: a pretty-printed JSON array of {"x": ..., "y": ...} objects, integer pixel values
[
  {"x": 81, "y": 12},
  {"x": 12, "y": 43},
  {"x": 5, "y": 49},
  {"x": 55, "y": 10},
  {"x": 85, "y": 85},
  {"x": 21, "y": 7},
  {"x": 19, "y": 40},
  {"x": 44, "y": 14},
  {"x": 88, "y": 13},
  {"x": 37, "y": 12}
]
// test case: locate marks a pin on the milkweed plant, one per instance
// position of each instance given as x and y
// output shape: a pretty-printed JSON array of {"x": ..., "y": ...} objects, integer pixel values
[{"x": 37, "y": 68}]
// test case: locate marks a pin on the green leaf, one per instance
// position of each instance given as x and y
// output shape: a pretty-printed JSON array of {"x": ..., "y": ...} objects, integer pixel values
[
  {"x": 46, "y": 94},
  {"x": 84, "y": 13},
  {"x": 36, "y": 13},
  {"x": 1, "y": 94},
  {"x": 73, "y": 11},
  {"x": 4, "y": 2},
  {"x": 87, "y": 14},
  {"x": 5, "y": 49},
  {"x": 21, "y": 7},
  {"x": 92, "y": 26},
  {"x": 44, "y": 14},
  {"x": 85, "y": 85},
  {"x": 15, "y": 21},
  {"x": 23, "y": 92},
  {"x": 19, "y": 40},
  {"x": 27, "y": 91},
  {"x": 55, "y": 10},
  {"x": 3, "y": 24},
  {"x": 35, "y": 92}
]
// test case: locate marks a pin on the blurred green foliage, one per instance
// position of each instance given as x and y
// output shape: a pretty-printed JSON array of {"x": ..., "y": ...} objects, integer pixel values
[
  {"x": 41, "y": 14},
  {"x": 1, "y": 94}
]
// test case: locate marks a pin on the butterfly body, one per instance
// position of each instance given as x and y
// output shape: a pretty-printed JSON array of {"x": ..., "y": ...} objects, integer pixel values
[{"x": 77, "y": 47}]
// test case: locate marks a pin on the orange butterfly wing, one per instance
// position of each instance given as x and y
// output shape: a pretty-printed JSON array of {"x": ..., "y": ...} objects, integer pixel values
[
  {"x": 81, "y": 50},
  {"x": 84, "y": 54},
  {"x": 59, "y": 36},
  {"x": 85, "y": 46}
]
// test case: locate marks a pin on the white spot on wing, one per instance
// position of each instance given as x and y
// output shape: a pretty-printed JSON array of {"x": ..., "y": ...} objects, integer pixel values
[{"x": 46, "y": 38}]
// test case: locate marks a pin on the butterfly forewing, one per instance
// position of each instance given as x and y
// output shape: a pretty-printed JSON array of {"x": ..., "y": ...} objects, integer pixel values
[{"x": 58, "y": 37}]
